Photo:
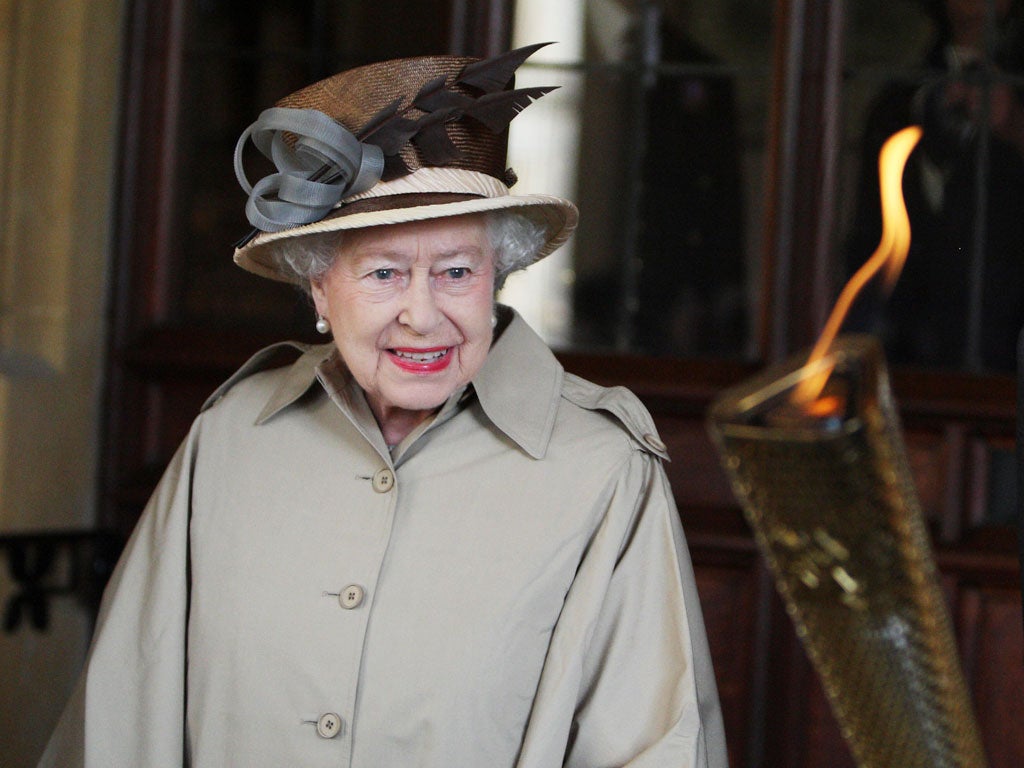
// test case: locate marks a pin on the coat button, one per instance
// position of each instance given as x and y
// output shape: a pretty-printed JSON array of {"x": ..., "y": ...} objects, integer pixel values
[
  {"x": 351, "y": 596},
  {"x": 383, "y": 480},
  {"x": 655, "y": 442},
  {"x": 329, "y": 725}
]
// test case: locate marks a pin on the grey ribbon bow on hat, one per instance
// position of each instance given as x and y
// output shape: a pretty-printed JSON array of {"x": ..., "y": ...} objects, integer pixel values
[{"x": 323, "y": 165}]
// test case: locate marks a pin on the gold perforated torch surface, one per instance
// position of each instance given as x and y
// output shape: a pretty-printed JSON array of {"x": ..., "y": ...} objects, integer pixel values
[{"x": 833, "y": 508}]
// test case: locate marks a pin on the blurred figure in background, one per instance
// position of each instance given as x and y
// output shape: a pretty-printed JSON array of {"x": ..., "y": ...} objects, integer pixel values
[{"x": 963, "y": 187}]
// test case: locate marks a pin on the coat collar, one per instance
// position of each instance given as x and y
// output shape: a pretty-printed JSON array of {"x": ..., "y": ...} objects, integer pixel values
[
  {"x": 520, "y": 384},
  {"x": 518, "y": 387},
  {"x": 297, "y": 380}
]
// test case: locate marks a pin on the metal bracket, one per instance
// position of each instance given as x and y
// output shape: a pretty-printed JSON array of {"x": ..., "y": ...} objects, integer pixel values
[{"x": 33, "y": 562}]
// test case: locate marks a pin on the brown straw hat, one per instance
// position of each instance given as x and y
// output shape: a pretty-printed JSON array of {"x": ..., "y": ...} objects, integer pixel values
[{"x": 387, "y": 143}]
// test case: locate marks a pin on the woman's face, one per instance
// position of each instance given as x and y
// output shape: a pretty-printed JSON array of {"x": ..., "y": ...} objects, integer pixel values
[{"x": 410, "y": 307}]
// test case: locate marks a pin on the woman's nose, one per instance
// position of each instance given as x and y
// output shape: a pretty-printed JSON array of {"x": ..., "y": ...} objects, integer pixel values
[{"x": 420, "y": 312}]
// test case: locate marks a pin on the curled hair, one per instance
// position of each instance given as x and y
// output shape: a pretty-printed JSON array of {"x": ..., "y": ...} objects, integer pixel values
[
  {"x": 515, "y": 235},
  {"x": 306, "y": 259}
]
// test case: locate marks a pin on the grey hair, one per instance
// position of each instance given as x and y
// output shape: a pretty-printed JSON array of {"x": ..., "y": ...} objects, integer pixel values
[{"x": 516, "y": 235}]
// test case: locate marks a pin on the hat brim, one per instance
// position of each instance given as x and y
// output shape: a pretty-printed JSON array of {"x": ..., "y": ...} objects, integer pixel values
[{"x": 557, "y": 214}]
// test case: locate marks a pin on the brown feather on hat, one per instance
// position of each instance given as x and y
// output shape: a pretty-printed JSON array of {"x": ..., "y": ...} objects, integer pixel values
[{"x": 386, "y": 143}]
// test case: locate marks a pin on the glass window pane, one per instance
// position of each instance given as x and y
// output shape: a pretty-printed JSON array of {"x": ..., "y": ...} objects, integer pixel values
[
  {"x": 955, "y": 68},
  {"x": 664, "y": 119}
]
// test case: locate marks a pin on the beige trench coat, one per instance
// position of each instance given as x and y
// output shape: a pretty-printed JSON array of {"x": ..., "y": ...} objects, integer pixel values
[{"x": 508, "y": 587}]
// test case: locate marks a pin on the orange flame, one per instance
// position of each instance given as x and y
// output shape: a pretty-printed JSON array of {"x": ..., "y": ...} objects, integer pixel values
[{"x": 890, "y": 254}]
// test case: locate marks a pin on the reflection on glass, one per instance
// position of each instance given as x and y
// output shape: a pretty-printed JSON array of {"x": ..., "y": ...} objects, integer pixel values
[
  {"x": 690, "y": 240},
  {"x": 542, "y": 143},
  {"x": 960, "y": 300},
  {"x": 667, "y": 167}
]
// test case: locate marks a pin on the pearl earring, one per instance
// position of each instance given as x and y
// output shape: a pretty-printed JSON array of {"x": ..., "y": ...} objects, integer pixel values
[
  {"x": 494, "y": 320},
  {"x": 322, "y": 324}
]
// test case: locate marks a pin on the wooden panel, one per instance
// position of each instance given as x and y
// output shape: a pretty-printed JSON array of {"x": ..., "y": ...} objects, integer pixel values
[
  {"x": 993, "y": 492},
  {"x": 993, "y": 641},
  {"x": 825, "y": 745},
  {"x": 695, "y": 471},
  {"x": 936, "y": 464},
  {"x": 729, "y": 598},
  {"x": 785, "y": 710}
]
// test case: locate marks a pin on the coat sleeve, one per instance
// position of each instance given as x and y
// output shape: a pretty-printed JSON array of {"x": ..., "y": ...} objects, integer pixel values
[
  {"x": 629, "y": 657},
  {"x": 127, "y": 708}
]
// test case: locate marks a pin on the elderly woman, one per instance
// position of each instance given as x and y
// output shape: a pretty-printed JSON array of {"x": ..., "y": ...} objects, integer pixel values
[{"x": 422, "y": 544}]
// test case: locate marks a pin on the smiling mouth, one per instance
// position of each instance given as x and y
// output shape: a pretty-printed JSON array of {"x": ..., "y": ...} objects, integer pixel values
[
  {"x": 421, "y": 361},
  {"x": 420, "y": 356}
]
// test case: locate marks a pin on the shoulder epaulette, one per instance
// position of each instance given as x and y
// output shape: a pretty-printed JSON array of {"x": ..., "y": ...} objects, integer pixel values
[
  {"x": 275, "y": 356},
  {"x": 620, "y": 403}
]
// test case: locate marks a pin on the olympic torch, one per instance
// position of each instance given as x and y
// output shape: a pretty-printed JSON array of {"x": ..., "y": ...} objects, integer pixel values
[{"x": 814, "y": 452}]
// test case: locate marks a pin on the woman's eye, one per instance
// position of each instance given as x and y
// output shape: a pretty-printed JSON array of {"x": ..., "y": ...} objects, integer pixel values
[
  {"x": 385, "y": 273},
  {"x": 457, "y": 273}
]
